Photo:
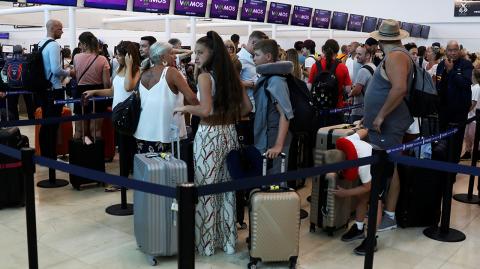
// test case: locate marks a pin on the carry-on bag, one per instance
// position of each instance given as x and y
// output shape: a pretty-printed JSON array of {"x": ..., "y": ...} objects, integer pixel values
[
  {"x": 274, "y": 231},
  {"x": 155, "y": 221},
  {"x": 12, "y": 191},
  {"x": 108, "y": 135},
  {"x": 65, "y": 132},
  {"x": 88, "y": 156},
  {"x": 327, "y": 136},
  {"x": 326, "y": 210}
]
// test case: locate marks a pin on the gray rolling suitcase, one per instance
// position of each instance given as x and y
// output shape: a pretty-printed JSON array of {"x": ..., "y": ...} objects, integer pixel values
[
  {"x": 326, "y": 210},
  {"x": 155, "y": 222},
  {"x": 274, "y": 233}
]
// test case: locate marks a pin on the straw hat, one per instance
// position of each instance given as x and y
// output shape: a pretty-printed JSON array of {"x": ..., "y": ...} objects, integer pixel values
[{"x": 389, "y": 30}]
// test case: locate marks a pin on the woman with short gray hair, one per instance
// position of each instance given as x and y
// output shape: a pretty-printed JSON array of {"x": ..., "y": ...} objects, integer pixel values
[{"x": 161, "y": 89}]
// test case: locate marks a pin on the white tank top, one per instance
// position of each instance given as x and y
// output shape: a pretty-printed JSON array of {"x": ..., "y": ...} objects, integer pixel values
[
  {"x": 119, "y": 92},
  {"x": 156, "y": 117}
]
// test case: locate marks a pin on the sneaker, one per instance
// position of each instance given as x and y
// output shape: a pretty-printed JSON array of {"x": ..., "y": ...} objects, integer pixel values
[
  {"x": 387, "y": 224},
  {"x": 362, "y": 249},
  {"x": 229, "y": 249},
  {"x": 353, "y": 234},
  {"x": 467, "y": 155}
]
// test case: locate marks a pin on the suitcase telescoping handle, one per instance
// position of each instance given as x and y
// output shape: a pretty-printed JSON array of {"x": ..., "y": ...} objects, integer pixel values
[
  {"x": 82, "y": 105},
  {"x": 265, "y": 160},
  {"x": 175, "y": 137}
]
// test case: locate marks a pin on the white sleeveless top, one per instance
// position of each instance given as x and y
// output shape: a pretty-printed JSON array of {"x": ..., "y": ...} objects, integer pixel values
[
  {"x": 156, "y": 117},
  {"x": 119, "y": 92}
]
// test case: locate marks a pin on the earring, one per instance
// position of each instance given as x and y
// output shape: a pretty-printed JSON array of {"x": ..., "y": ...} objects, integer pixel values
[{"x": 165, "y": 63}]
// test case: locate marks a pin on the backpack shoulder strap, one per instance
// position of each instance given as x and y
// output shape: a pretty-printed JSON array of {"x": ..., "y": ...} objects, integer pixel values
[
  {"x": 334, "y": 66},
  {"x": 369, "y": 68},
  {"x": 45, "y": 45}
]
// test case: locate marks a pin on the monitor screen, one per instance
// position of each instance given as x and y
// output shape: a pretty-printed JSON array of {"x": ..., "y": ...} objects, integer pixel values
[
  {"x": 379, "y": 23},
  {"x": 407, "y": 27},
  {"x": 107, "y": 4},
  {"x": 224, "y": 9},
  {"x": 279, "y": 13},
  {"x": 7, "y": 48},
  {"x": 301, "y": 16},
  {"x": 155, "y": 6},
  {"x": 321, "y": 18},
  {"x": 196, "y": 8},
  {"x": 425, "y": 31},
  {"x": 339, "y": 20},
  {"x": 4, "y": 35},
  {"x": 369, "y": 24},
  {"x": 254, "y": 10},
  {"x": 355, "y": 23},
  {"x": 416, "y": 30},
  {"x": 54, "y": 2}
]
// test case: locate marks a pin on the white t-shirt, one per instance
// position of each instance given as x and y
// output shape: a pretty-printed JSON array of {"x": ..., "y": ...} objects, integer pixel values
[
  {"x": 432, "y": 71},
  {"x": 475, "y": 97},
  {"x": 364, "y": 149},
  {"x": 414, "y": 128},
  {"x": 310, "y": 61}
]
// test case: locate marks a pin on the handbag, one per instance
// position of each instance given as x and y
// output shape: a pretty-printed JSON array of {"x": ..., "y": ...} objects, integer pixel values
[{"x": 125, "y": 115}]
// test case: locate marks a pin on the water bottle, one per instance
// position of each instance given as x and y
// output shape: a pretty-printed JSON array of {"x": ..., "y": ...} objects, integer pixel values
[{"x": 174, "y": 136}]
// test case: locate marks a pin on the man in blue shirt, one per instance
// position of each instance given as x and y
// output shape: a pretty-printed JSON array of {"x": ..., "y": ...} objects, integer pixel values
[
  {"x": 54, "y": 72},
  {"x": 454, "y": 80}
]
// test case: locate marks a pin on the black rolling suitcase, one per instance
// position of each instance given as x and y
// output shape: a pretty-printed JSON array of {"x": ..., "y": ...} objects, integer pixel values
[
  {"x": 90, "y": 156},
  {"x": 11, "y": 177},
  {"x": 420, "y": 198}
]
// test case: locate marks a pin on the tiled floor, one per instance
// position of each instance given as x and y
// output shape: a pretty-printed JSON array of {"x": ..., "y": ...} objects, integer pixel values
[{"x": 74, "y": 232}]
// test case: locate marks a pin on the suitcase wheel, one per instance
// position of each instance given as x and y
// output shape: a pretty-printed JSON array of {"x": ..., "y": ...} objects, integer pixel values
[
  {"x": 152, "y": 260},
  {"x": 253, "y": 263},
  {"x": 312, "y": 228}
]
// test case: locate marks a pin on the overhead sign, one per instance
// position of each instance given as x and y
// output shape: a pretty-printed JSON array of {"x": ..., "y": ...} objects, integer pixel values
[
  {"x": 54, "y": 2},
  {"x": 196, "y": 8},
  {"x": 254, "y": 10},
  {"x": 301, "y": 16},
  {"x": 321, "y": 18},
  {"x": 107, "y": 4},
  {"x": 4, "y": 35},
  {"x": 224, "y": 9},
  {"x": 355, "y": 23},
  {"x": 469, "y": 8},
  {"x": 155, "y": 6},
  {"x": 279, "y": 13}
]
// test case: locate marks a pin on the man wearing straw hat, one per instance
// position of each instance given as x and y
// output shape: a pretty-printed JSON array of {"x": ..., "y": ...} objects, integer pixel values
[{"x": 386, "y": 114}]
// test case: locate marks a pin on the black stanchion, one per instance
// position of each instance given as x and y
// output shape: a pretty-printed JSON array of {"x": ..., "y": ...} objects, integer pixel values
[
  {"x": 28, "y": 167},
  {"x": 52, "y": 181},
  {"x": 122, "y": 209},
  {"x": 470, "y": 198},
  {"x": 378, "y": 171},
  {"x": 187, "y": 197},
  {"x": 444, "y": 233}
]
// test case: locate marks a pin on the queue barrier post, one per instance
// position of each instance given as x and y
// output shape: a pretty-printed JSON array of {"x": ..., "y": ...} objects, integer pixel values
[
  {"x": 379, "y": 175},
  {"x": 28, "y": 168},
  {"x": 187, "y": 197},
  {"x": 470, "y": 198},
  {"x": 444, "y": 233}
]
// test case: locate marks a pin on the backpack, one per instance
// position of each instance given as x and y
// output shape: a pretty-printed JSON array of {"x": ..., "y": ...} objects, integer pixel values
[
  {"x": 35, "y": 79},
  {"x": 325, "y": 87},
  {"x": 305, "y": 114},
  {"x": 16, "y": 72},
  {"x": 422, "y": 99}
]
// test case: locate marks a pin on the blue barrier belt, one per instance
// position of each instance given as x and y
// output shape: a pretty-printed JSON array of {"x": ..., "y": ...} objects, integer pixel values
[
  {"x": 143, "y": 186},
  {"x": 17, "y": 92},
  {"x": 422, "y": 141},
  {"x": 78, "y": 100},
  {"x": 10, "y": 152},
  {"x": 436, "y": 165},
  {"x": 344, "y": 109},
  {"x": 55, "y": 120},
  {"x": 252, "y": 182}
]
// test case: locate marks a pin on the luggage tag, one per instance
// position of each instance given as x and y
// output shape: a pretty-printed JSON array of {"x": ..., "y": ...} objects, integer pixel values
[{"x": 174, "y": 208}]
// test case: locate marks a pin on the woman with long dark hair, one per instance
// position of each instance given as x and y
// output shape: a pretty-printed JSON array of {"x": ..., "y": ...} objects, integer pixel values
[
  {"x": 127, "y": 76},
  {"x": 223, "y": 101}
]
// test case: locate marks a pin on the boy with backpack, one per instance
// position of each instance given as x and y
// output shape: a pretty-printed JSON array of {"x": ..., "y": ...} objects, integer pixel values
[
  {"x": 328, "y": 79},
  {"x": 272, "y": 103}
]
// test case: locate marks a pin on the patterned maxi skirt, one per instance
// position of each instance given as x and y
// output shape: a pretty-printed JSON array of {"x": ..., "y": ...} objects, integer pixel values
[{"x": 215, "y": 214}]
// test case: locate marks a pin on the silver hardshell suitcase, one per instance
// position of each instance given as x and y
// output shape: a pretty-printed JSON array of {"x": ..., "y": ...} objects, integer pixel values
[
  {"x": 326, "y": 210},
  {"x": 155, "y": 222}
]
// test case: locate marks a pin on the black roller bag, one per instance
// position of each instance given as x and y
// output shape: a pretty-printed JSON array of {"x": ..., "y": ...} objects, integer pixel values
[
  {"x": 12, "y": 190},
  {"x": 419, "y": 202}
]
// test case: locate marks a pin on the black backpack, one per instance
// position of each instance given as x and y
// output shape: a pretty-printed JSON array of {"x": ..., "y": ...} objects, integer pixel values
[
  {"x": 35, "y": 79},
  {"x": 306, "y": 115},
  {"x": 325, "y": 87}
]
